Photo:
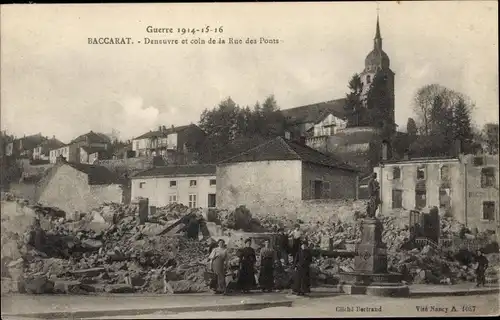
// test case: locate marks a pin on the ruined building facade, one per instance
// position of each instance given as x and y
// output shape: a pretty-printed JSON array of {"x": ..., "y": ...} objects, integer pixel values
[{"x": 465, "y": 187}]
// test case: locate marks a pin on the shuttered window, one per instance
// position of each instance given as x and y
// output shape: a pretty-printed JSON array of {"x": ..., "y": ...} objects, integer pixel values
[{"x": 487, "y": 177}]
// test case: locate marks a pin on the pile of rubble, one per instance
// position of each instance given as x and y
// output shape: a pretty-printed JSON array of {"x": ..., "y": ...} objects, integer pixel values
[{"x": 106, "y": 250}]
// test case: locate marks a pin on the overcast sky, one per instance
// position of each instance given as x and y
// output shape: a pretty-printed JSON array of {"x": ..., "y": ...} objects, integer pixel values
[{"x": 55, "y": 83}]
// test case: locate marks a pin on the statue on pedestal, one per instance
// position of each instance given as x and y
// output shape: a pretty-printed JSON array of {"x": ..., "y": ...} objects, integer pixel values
[{"x": 374, "y": 196}]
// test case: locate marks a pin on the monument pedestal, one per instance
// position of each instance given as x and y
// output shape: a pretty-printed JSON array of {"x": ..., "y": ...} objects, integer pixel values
[{"x": 370, "y": 274}]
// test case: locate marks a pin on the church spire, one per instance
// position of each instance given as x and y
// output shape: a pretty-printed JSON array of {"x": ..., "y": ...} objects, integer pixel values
[{"x": 377, "y": 42}]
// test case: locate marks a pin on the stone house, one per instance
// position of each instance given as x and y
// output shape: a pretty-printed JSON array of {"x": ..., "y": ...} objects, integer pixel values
[
  {"x": 280, "y": 171},
  {"x": 79, "y": 187},
  {"x": 42, "y": 151},
  {"x": 23, "y": 147},
  {"x": 71, "y": 151},
  {"x": 170, "y": 143},
  {"x": 465, "y": 187},
  {"x": 307, "y": 120},
  {"x": 191, "y": 185},
  {"x": 90, "y": 155}
]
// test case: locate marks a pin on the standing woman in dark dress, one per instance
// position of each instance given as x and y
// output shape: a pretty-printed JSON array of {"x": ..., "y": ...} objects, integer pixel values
[
  {"x": 302, "y": 262},
  {"x": 296, "y": 235},
  {"x": 267, "y": 258},
  {"x": 246, "y": 279}
]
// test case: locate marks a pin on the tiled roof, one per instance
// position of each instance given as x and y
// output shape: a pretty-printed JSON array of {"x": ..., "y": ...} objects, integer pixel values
[
  {"x": 95, "y": 137},
  {"x": 281, "y": 149},
  {"x": 315, "y": 112},
  {"x": 96, "y": 174},
  {"x": 167, "y": 131},
  {"x": 183, "y": 170}
]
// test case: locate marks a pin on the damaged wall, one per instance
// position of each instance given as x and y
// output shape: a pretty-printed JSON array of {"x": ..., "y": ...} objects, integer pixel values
[
  {"x": 419, "y": 185},
  {"x": 69, "y": 190},
  {"x": 341, "y": 184},
  {"x": 260, "y": 182},
  {"x": 482, "y": 191},
  {"x": 458, "y": 187}
]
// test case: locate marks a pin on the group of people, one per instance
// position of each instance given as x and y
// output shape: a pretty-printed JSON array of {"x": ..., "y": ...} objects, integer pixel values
[{"x": 270, "y": 258}]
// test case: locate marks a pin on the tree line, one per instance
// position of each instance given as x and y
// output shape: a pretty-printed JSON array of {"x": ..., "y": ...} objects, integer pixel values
[
  {"x": 443, "y": 119},
  {"x": 229, "y": 127}
]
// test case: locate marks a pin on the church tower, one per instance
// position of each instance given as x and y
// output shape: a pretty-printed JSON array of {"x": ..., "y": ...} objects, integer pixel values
[{"x": 377, "y": 63}]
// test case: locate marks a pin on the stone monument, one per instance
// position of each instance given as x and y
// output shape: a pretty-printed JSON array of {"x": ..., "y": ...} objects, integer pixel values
[{"x": 370, "y": 274}]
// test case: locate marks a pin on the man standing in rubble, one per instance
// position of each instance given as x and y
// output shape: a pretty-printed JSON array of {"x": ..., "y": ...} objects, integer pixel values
[
  {"x": 374, "y": 194},
  {"x": 482, "y": 265}
]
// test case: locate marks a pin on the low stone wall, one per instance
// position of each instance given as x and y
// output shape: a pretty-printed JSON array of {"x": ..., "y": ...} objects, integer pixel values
[{"x": 310, "y": 210}]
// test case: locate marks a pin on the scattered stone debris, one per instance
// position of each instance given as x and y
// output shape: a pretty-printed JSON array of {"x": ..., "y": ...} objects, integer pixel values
[{"x": 108, "y": 250}]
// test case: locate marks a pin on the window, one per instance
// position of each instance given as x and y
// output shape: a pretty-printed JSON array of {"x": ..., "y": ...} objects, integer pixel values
[
  {"x": 213, "y": 182},
  {"x": 368, "y": 79},
  {"x": 487, "y": 177},
  {"x": 192, "y": 183},
  {"x": 192, "y": 201},
  {"x": 137, "y": 145},
  {"x": 421, "y": 173},
  {"x": 211, "y": 200},
  {"x": 489, "y": 210},
  {"x": 420, "y": 199},
  {"x": 396, "y": 173},
  {"x": 173, "y": 183},
  {"x": 316, "y": 189},
  {"x": 397, "y": 199},
  {"x": 172, "y": 198},
  {"x": 141, "y": 184},
  {"x": 478, "y": 161}
]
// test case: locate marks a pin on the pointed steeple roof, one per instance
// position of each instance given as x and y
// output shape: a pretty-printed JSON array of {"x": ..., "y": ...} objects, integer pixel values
[
  {"x": 377, "y": 58},
  {"x": 378, "y": 38}
]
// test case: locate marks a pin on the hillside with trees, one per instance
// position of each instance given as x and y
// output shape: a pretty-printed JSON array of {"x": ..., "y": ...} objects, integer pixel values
[{"x": 231, "y": 128}]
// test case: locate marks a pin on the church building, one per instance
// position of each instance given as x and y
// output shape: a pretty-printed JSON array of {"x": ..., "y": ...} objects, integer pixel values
[{"x": 325, "y": 126}]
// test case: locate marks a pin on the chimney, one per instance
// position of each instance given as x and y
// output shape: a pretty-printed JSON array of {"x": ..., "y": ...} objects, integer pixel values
[
  {"x": 173, "y": 127},
  {"x": 160, "y": 129},
  {"x": 164, "y": 128},
  {"x": 384, "y": 150},
  {"x": 406, "y": 155}
]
